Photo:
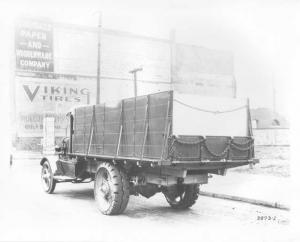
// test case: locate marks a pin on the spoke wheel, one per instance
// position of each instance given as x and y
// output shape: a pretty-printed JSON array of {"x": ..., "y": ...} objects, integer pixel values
[
  {"x": 182, "y": 196},
  {"x": 111, "y": 189},
  {"x": 48, "y": 182}
]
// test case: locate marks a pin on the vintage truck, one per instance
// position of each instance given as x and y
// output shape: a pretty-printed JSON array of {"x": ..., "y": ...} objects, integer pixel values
[{"x": 163, "y": 142}]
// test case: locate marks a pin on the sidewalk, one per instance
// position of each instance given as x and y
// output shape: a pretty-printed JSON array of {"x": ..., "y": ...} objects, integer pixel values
[{"x": 260, "y": 187}]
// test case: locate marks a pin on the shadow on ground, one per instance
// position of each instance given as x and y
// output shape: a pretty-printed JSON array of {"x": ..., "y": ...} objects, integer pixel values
[
  {"x": 138, "y": 207},
  {"x": 82, "y": 194}
]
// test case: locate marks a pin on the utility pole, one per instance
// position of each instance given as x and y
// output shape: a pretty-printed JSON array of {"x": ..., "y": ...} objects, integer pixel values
[
  {"x": 172, "y": 56},
  {"x": 274, "y": 96},
  {"x": 134, "y": 72},
  {"x": 234, "y": 86},
  {"x": 99, "y": 59}
]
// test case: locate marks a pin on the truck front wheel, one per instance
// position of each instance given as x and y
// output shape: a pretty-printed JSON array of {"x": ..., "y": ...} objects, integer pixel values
[
  {"x": 182, "y": 196},
  {"x": 48, "y": 181},
  {"x": 111, "y": 189}
]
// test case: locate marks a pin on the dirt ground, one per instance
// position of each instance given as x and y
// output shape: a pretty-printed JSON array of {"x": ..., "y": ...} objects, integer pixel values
[
  {"x": 29, "y": 214},
  {"x": 274, "y": 161}
]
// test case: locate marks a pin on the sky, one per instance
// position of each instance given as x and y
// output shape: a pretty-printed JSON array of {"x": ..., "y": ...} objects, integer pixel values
[{"x": 262, "y": 35}]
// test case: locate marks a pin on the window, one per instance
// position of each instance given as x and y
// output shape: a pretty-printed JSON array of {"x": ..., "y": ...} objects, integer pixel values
[
  {"x": 254, "y": 123},
  {"x": 275, "y": 122}
]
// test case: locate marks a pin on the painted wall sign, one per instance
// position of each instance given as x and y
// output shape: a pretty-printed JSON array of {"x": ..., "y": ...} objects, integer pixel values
[
  {"x": 36, "y": 96},
  {"x": 56, "y": 66},
  {"x": 34, "y": 45}
]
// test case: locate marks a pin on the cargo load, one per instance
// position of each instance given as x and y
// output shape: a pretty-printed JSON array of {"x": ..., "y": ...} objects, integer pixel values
[{"x": 164, "y": 142}]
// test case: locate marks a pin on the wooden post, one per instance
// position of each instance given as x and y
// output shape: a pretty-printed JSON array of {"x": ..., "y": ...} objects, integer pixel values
[
  {"x": 135, "y": 84},
  {"x": 103, "y": 133},
  {"x": 249, "y": 119},
  {"x": 119, "y": 140},
  {"x": 121, "y": 130},
  {"x": 167, "y": 130},
  {"x": 134, "y": 72},
  {"x": 91, "y": 131},
  {"x": 234, "y": 87},
  {"x": 146, "y": 127},
  {"x": 91, "y": 138},
  {"x": 172, "y": 56},
  {"x": 71, "y": 123},
  {"x": 99, "y": 59},
  {"x": 250, "y": 133}
]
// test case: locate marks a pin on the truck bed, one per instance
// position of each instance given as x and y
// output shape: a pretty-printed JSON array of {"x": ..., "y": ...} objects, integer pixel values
[{"x": 141, "y": 129}]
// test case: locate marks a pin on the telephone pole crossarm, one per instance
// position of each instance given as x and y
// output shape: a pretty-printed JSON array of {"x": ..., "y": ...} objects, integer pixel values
[{"x": 134, "y": 71}]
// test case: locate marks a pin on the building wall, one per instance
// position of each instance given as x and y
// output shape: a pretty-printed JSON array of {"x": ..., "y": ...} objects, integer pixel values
[
  {"x": 203, "y": 71},
  {"x": 121, "y": 53},
  {"x": 70, "y": 78}
]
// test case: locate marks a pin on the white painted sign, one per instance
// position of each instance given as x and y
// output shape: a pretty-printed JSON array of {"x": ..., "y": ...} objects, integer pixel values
[
  {"x": 34, "y": 45},
  {"x": 34, "y": 96}
]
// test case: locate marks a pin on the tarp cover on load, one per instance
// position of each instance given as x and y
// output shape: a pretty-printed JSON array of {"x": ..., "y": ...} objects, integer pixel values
[{"x": 209, "y": 116}]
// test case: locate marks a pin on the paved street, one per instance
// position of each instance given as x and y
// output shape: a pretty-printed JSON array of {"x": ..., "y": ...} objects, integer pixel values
[{"x": 27, "y": 213}]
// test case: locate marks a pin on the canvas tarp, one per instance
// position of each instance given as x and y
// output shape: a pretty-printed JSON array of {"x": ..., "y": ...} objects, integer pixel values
[{"x": 209, "y": 116}]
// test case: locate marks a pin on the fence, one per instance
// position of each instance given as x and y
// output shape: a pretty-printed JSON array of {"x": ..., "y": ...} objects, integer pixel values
[{"x": 271, "y": 137}]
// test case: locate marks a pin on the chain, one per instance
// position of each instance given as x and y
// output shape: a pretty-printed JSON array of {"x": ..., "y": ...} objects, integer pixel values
[
  {"x": 231, "y": 144},
  {"x": 238, "y": 146},
  {"x": 200, "y": 140},
  {"x": 172, "y": 150},
  {"x": 211, "y": 111},
  {"x": 215, "y": 154},
  {"x": 242, "y": 149},
  {"x": 246, "y": 143}
]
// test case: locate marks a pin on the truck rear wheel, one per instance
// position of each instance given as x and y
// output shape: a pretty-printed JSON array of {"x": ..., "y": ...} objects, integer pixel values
[
  {"x": 182, "y": 196},
  {"x": 48, "y": 181},
  {"x": 111, "y": 189}
]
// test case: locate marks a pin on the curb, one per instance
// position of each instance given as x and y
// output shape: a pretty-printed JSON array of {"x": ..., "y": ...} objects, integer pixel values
[{"x": 246, "y": 200}]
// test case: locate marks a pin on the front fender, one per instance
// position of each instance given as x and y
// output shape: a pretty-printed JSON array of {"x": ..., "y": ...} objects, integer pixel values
[{"x": 52, "y": 161}]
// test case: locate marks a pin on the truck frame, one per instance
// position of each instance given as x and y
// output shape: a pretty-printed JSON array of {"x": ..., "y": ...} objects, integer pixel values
[{"x": 129, "y": 148}]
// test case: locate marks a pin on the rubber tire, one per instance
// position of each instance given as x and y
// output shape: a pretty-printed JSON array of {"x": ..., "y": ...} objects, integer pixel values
[
  {"x": 119, "y": 186},
  {"x": 52, "y": 182},
  {"x": 189, "y": 198}
]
